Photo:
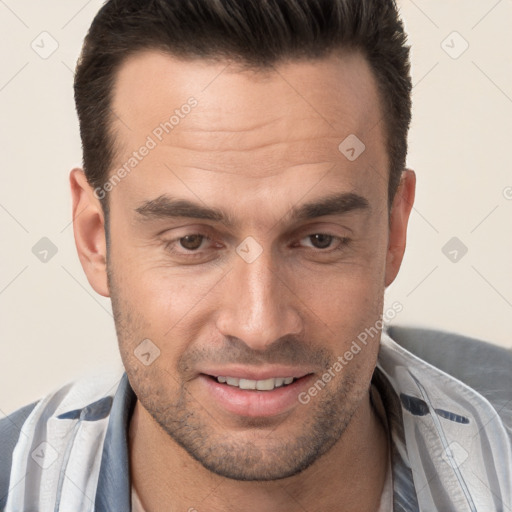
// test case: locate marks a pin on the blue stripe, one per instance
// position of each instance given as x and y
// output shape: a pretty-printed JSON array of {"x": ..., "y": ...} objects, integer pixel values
[{"x": 114, "y": 488}]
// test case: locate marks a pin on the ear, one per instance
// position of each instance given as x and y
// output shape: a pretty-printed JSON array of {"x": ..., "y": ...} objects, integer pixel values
[
  {"x": 400, "y": 211},
  {"x": 89, "y": 230}
]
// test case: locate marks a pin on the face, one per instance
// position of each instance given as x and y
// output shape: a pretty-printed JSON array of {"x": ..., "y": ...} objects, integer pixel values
[{"x": 245, "y": 245}]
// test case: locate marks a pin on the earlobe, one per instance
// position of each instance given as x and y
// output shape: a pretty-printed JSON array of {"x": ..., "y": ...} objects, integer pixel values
[
  {"x": 399, "y": 218},
  {"x": 89, "y": 231}
]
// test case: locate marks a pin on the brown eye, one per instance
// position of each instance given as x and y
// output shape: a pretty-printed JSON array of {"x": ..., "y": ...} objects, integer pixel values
[
  {"x": 191, "y": 242},
  {"x": 323, "y": 243},
  {"x": 320, "y": 240}
]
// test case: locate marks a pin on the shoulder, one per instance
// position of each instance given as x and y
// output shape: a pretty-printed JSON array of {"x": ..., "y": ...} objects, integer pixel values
[
  {"x": 42, "y": 428},
  {"x": 10, "y": 431},
  {"x": 483, "y": 366},
  {"x": 10, "y": 427},
  {"x": 452, "y": 415}
]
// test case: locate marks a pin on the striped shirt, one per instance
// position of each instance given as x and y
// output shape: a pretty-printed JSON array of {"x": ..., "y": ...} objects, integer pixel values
[{"x": 450, "y": 449}]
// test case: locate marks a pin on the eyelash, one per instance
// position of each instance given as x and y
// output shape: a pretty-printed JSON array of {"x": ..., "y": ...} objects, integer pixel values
[{"x": 343, "y": 243}]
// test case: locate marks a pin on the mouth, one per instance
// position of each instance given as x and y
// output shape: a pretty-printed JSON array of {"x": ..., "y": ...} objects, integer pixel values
[{"x": 266, "y": 397}]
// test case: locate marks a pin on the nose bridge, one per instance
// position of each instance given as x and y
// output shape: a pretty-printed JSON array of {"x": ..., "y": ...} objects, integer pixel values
[{"x": 257, "y": 307}]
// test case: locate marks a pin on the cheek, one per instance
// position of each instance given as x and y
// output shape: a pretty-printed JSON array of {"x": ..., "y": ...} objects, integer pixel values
[
  {"x": 351, "y": 310},
  {"x": 345, "y": 307},
  {"x": 169, "y": 307},
  {"x": 343, "y": 290},
  {"x": 163, "y": 294}
]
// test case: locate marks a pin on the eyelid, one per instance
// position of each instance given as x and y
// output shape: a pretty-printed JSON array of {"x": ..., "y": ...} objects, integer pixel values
[{"x": 325, "y": 228}]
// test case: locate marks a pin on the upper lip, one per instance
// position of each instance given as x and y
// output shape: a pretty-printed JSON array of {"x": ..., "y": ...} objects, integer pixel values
[{"x": 269, "y": 372}]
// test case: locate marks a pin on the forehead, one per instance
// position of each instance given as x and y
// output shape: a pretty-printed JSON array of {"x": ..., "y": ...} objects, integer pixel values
[{"x": 247, "y": 124}]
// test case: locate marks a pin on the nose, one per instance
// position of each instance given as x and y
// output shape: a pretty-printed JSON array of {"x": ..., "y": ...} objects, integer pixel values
[{"x": 256, "y": 304}]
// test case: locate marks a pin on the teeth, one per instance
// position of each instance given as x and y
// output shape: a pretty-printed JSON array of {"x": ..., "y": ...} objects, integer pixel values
[
  {"x": 247, "y": 384},
  {"x": 261, "y": 385},
  {"x": 266, "y": 385}
]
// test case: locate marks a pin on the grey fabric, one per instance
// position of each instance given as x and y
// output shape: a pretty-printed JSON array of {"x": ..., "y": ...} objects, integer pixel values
[
  {"x": 114, "y": 488},
  {"x": 485, "y": 367},
  {"x": 10, "y": 431}
]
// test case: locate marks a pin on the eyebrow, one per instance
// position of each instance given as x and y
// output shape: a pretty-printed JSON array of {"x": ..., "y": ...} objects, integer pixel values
[{"x": 166, "y": 207}]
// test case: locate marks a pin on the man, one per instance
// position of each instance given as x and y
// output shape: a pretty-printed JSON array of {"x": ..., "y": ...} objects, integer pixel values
[{"x": 244, "y": 203}]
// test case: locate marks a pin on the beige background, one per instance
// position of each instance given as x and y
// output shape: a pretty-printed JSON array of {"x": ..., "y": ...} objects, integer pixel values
[{"x": 55, "y": 328}]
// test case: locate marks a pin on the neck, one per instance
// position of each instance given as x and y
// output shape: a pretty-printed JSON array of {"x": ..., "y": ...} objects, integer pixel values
[{"x": 350, "y": 477}]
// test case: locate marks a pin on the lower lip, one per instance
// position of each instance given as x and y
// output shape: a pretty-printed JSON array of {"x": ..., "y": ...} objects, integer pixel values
[{"x": 254, "y": 403}]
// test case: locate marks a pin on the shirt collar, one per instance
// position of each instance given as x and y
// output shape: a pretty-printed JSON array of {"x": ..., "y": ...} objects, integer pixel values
[
  {"x": 114, "y": 485},
  {"x": 113, "y": 491}
]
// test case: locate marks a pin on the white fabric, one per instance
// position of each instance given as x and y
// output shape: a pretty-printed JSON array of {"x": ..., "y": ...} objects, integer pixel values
[
  {"x": 48, "y": 445},
  {"x": 136, "y": 504}
]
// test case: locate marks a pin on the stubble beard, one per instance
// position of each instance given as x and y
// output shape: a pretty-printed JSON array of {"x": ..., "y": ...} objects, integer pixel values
[{"x": 260, "y": 452}]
